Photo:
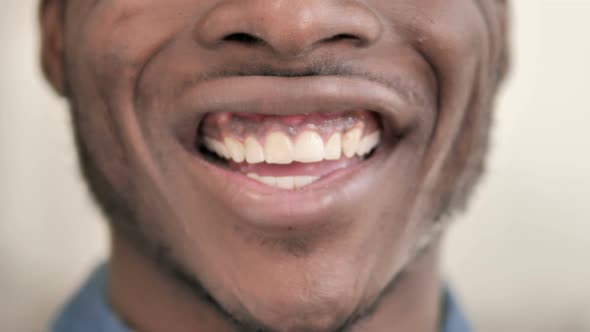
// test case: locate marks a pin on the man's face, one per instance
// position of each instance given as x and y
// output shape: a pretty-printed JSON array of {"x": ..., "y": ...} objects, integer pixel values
[{"x": 291, "y": 155}]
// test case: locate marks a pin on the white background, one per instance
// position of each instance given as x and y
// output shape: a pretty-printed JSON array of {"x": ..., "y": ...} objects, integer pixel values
[{"x": 520, "y": 258}]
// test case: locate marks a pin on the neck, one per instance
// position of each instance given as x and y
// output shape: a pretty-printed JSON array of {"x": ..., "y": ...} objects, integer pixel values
[{"x": 149, "y": 299}]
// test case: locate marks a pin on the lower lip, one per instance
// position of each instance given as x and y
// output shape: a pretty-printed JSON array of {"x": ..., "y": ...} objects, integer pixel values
[{"x": 314, "y": 205}]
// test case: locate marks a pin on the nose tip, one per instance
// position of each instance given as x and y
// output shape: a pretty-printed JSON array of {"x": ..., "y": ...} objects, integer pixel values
[{"x": 288, "y": 28}]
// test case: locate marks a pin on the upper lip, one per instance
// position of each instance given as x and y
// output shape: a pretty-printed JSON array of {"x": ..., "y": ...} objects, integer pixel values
[{"x": 296, "y": 95}]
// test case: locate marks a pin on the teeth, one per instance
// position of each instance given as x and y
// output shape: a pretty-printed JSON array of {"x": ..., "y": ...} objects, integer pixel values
[
  {"x": 254, "y": 151},
  {"x": 284, "y": 182},
  {"x": 368, "y": 143},
  {"x": 350, "y": 142},
  {"x": 309, "y": 147},
  {"x": 217, "y": 147},
  {"x": 269, "y": 180},
  {"x": 235, "y": 148},
  {"x": 302, "y": 181},
  {"x": 278, "y": 149},
  {"x": 333, "y": 150}
]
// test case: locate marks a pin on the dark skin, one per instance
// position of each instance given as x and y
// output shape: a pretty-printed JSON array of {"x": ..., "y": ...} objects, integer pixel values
[{"x": 195, "y": 252}]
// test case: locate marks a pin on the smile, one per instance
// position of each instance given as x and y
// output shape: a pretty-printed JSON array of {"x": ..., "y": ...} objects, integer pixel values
[
  {"x": 289, "y": 133},
  {"x": 292, "y": 150}
]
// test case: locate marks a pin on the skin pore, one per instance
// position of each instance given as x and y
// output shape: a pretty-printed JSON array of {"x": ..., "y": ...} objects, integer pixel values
[{"x": 196, "y": 249}]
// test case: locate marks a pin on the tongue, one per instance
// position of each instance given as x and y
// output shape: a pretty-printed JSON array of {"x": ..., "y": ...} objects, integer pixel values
[{"x": 295, "y": 169}]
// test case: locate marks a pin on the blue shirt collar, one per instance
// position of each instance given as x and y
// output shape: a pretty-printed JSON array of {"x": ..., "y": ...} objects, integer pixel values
[{"x": 89, "y": 311}]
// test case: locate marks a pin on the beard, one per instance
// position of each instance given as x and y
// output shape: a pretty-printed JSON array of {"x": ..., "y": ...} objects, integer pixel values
[{"x": 458, "y": 178}]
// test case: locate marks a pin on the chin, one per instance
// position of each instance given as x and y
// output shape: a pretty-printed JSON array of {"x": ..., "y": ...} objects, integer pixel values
[
  {"x": 299, "y": 310},
  {"x": 319, "y": 292}
]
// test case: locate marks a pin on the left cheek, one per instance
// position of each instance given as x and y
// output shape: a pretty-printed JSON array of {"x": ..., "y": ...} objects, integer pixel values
[{"x": 458, "y": 51}]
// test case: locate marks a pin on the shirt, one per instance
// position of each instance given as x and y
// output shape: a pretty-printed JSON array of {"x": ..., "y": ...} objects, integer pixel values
[{"x": 89, "y": 311}]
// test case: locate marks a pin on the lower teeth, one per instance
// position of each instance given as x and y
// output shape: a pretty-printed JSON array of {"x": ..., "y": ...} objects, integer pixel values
[{"x": 285, "y": 182}]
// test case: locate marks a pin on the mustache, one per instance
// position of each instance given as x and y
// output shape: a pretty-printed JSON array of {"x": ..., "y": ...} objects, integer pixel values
[{"x": 318, "y": 68}]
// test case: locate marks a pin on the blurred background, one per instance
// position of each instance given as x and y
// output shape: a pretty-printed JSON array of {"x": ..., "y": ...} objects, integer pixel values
[{"x": 520, "y": 258}]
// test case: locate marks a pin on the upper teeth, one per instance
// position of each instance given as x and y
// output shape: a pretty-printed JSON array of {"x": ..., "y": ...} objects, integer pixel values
[
  {"x": 308, "y": 147},
  {"x": 279, "y": 149},
  {"x": 254, "y": 151},
  {"x": 333, "y": 148},
  {"x": 350, "y": 142},
  {"x": 235, "y": 148}
]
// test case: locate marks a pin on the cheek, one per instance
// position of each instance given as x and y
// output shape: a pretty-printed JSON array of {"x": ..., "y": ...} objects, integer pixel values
[
  {"x": 456, "y": 43},
  {"x": 462, "y": 56},
  {"x": 104, "y": 57},
  {"x": 113, "y": 40}
]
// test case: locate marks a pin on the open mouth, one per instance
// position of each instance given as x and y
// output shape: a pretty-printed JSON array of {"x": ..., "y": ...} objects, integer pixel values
[
  {"x": 288, "y": 151},
  {"x": 292, "y": 151}
]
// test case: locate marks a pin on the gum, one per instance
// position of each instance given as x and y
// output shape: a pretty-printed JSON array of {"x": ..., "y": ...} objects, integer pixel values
[{"x": 242, "y": 125}]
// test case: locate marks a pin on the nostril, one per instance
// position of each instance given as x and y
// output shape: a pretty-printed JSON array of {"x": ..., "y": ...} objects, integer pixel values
[
  {"x": 344, "y": 38},
  {"x": 243, "y": 38},
  {"x": 288, "y": 31},
  {"x": 341, "y": 37}
]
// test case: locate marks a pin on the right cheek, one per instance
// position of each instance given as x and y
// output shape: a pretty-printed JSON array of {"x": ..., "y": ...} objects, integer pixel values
[{"x": 97, "y": 134}]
